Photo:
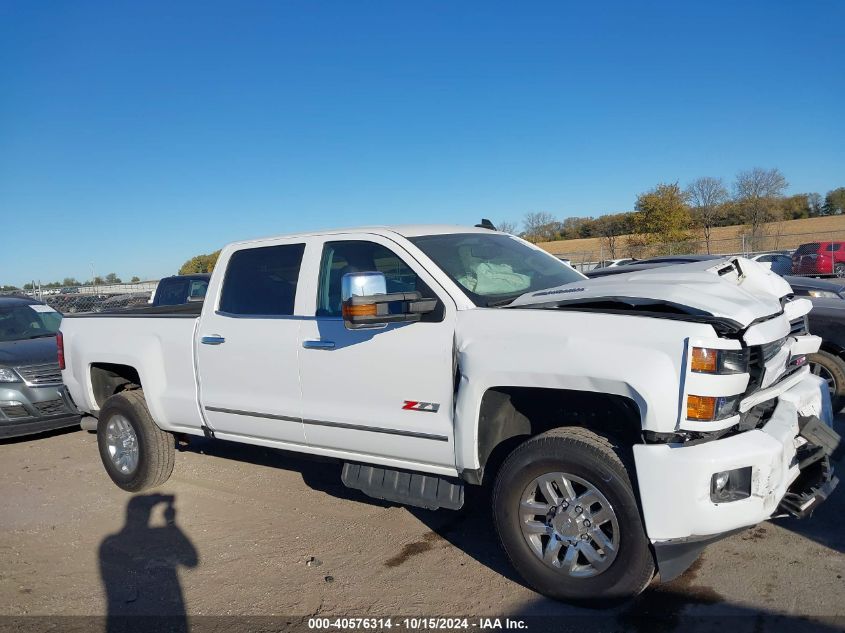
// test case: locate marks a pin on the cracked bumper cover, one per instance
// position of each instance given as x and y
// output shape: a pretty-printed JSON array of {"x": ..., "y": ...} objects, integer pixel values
[{"x": 674, "y": 480}]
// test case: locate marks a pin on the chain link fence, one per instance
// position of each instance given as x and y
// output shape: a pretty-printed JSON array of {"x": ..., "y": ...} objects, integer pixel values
[
  {"x": 808, "y": 254},
  {"x": 98, "y": 298}
]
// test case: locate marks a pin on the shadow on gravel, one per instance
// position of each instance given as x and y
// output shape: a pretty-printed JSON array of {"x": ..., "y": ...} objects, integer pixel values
[
  {"x": 318, "y": 473},
  {"x": 139, "y": 567}
]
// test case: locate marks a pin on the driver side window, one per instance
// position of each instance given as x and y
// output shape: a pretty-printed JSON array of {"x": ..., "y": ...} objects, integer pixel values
[{"x": 351, "y": 256}]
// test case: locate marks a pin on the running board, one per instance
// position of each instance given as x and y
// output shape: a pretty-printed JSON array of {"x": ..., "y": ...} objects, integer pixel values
[{"x": 409, "y": 488}]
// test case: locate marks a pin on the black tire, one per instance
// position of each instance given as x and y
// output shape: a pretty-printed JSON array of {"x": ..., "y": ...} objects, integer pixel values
[
  {"x": 156, "y": 448},
  {"x": 832, "y": 369},
  {"x": 593, "y": 458},
  {"x": 839, "y": 270}
]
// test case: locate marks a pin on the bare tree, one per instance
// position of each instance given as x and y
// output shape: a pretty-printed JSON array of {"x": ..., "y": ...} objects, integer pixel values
[
  {"x": 707, "y": 195},
  {"x": 507, "y": 227},
  {"x": 610, "y": 228},
  {"x": 539, "y": 226},
  {"x": 757, "y": 191}
]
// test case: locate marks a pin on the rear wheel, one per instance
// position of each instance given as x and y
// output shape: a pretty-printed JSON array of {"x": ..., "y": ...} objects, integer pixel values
[
  {"x": 831, "y": 369},
  {"x": 135, "y": 452},
  {"x": 839, "y": 270},
  {"x": 568, "y": 519}
]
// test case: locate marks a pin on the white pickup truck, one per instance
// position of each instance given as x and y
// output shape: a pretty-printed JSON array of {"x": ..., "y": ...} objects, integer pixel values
[{"x": 624, "y": 422}]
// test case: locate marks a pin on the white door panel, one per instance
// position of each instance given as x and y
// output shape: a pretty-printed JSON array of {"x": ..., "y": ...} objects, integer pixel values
[
  {"x": 250, "y": 384},
  {"x": 367, "y": 382},
  {"x": 248, "y": 343},
  {"x": 357, "y": 385}
]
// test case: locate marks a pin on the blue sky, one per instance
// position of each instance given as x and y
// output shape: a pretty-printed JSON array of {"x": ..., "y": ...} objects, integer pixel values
[{"x": 137, "y": 134}]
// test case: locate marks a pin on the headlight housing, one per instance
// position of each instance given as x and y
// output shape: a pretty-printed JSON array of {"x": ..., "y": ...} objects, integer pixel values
[
  {"x": 8, "y": 375},
  {"x": 706, "y": 360},
  {"x": 823, "y": 294},
  {"x": 712, "y": 408}
]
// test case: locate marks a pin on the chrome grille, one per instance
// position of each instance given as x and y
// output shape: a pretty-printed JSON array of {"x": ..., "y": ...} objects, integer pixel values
[
  {"x": 798, "y": 326},
  {"x": 51, "y": 407},
  {"x": 44, "y": 374}
]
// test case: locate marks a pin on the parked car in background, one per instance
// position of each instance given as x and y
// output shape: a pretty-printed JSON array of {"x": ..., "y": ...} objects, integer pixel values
[
  {"x": 827, "y": 320},
  {"x": 118, "y": 302},
  {"x": 819, "y": 258},
  {"x": 780, "y": 263},
  {"x": 817, "y": 288},
  {"x": 30, "y": 400},
  {"x": 613, "y": 263},
  {"x": 180, "y": 289}
]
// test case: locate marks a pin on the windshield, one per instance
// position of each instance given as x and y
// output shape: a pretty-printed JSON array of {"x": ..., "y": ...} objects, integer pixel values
[
  {"x": 496, "y": 268},
  {"x": 22, "y": 321}
]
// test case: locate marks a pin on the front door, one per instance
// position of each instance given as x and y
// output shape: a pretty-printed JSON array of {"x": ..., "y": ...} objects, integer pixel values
[
  {"x": 385, "y": 391},
  {"x": 248, "y": 343}
]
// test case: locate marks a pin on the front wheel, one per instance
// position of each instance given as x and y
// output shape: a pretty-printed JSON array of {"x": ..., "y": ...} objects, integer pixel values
[
  {"x": 831, "y": 369},
  {"x": 136, "y": 453},
  {"x": 568, "y": 519}
]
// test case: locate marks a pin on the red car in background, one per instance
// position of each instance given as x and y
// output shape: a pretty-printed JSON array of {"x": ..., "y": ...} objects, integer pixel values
[{"x": 819, "y": 258}]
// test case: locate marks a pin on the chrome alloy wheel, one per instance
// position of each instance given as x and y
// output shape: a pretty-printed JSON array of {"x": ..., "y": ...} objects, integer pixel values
[
  {"x": 824, "y": 373},
  {"x": 122, "y": 444},
  {"x": 569, "y": 524}
]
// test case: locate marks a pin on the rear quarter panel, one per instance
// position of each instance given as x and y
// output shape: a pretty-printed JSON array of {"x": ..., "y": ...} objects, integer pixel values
[{"x": 160, "y": 349}]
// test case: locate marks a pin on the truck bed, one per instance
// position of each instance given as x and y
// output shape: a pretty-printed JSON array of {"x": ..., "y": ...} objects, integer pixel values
[{"x": 185, "y": 311}]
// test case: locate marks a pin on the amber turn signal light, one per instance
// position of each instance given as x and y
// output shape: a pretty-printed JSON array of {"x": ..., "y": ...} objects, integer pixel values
[
  {"x": 701, "y": 408},
  {"x": 361, "y": 310},
  {"x": 705, "y": 360}
]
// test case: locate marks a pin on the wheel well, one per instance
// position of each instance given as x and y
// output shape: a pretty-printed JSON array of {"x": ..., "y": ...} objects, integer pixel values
[
  {"x": 832, "y": 348},
  {"x": 108, "y": 379},
  {"x": 509, "y": 415}
]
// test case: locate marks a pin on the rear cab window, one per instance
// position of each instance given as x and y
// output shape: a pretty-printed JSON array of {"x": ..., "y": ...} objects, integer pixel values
[{"x": 262, "y": 281}]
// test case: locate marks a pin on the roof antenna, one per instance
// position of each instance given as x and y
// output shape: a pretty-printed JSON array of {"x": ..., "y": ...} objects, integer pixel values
[{"x": 486, "y": 224}]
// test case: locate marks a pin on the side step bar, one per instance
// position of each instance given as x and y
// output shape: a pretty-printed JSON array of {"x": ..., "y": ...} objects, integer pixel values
[{"x": 413, "y": 489}]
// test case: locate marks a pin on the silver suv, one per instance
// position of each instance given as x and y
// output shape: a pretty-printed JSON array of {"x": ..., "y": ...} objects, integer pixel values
[{"x": 30, "y": 398}]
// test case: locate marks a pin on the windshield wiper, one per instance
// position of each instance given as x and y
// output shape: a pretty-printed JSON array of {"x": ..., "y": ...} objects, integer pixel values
[
  {"x": 29, "y": 338},
  {"x": 501, "y": 302}
]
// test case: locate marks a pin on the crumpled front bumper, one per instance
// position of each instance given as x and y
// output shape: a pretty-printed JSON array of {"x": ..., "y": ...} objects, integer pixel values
[{"x": 675, "y": 480}]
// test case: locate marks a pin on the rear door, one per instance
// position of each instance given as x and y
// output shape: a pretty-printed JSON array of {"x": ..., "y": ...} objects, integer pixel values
[
  {"x": 386, "y": 391},
  {"x": 247, "y": 345}
]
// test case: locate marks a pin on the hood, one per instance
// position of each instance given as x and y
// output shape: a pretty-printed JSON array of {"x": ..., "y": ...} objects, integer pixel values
[
  {"x": 28, "y": 352},
  {"x": 735, "y": 290}
]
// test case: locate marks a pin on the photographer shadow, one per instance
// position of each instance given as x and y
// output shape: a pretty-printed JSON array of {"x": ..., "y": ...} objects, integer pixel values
[{"x": 139, "y": 568}]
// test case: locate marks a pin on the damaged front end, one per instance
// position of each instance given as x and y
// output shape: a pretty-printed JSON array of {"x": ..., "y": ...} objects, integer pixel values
[{"x": 818, "y": 444}]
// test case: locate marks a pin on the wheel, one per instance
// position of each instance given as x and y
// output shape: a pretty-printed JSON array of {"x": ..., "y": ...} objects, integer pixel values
[
  {"x": 839, "y": 270},
  {"x": 568, "y": 519},
  {"x": 830, "y": 368},
  {"x": 136, "y": 453}
]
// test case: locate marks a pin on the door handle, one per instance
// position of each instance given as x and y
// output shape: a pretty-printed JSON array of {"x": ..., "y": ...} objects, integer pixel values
[
  {"x": 318, "y": 344},
  {"x": 214, "y": 339}
]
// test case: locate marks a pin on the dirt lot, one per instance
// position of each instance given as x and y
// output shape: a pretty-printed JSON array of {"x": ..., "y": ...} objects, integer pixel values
[{"x": 261, "y": 532}]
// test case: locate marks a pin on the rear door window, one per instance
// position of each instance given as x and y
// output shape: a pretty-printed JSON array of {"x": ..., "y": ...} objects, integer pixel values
[{"x": 262, "y": 281}]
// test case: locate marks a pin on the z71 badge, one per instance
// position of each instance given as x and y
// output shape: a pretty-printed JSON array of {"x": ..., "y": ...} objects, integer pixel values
[{"x": 413, "y": 405}]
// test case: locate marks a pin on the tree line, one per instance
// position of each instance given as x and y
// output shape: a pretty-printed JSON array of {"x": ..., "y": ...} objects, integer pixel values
[
  {"x": 669, "y": 213},
  {"x": 72, "y": 282}
]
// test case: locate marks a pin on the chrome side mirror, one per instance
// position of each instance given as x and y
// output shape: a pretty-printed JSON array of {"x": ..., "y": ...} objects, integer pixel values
[
  {"x": 362, "y": 285},
  {"x": 366, "y": 303}
]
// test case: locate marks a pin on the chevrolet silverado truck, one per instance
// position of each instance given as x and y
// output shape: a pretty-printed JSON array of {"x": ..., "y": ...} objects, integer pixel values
[{"x": 623, "y": 424}]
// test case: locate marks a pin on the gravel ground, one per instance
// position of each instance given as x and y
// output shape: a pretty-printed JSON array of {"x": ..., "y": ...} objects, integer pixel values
[{"x": 242, "y": 530}]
